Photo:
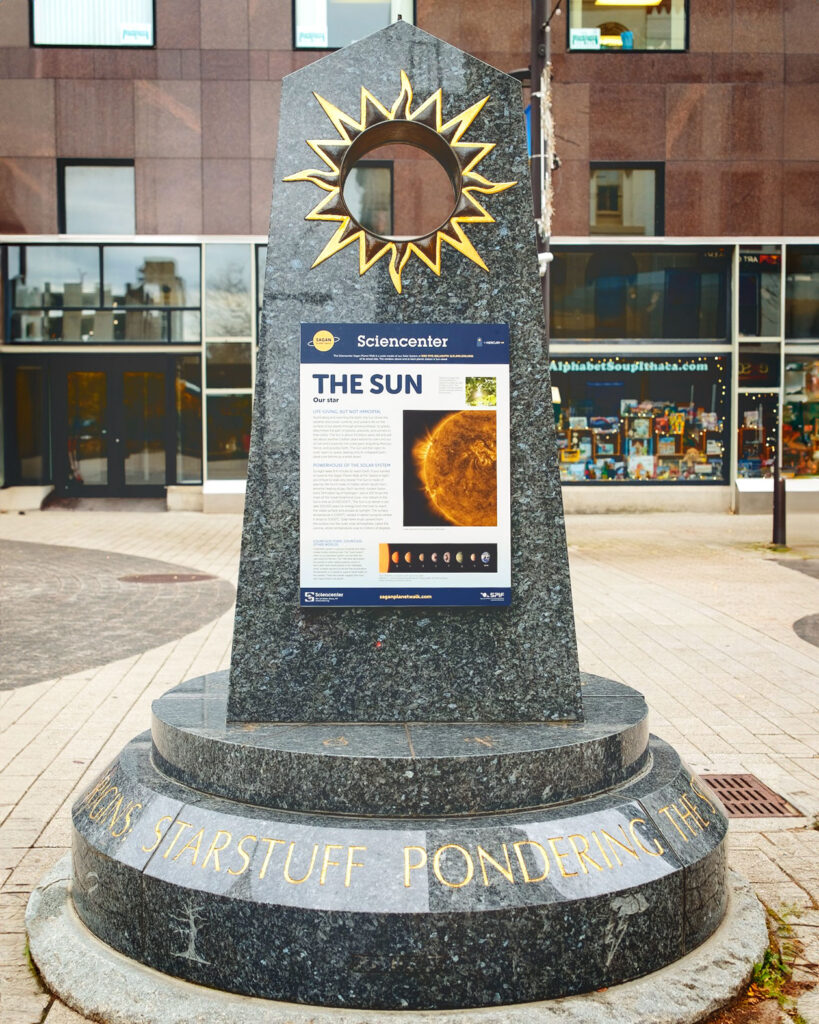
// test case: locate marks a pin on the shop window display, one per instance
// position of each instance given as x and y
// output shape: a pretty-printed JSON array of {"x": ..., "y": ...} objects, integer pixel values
[
  {"x": 756, "y": 440},
  {"x": 641, "y": 419},
  {"x": 800, "y": 420}
]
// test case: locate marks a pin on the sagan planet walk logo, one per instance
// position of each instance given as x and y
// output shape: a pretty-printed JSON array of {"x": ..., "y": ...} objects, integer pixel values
[{"x": 423, "y": 127}]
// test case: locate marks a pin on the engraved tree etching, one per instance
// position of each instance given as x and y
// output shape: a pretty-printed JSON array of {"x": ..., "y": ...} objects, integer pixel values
[
  {"x": 624, "y": 907},
  {"x": 189, "y": 921}
]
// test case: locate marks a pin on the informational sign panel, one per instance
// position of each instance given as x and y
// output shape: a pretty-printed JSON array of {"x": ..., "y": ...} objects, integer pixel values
[{"x": 405, "y": 465}]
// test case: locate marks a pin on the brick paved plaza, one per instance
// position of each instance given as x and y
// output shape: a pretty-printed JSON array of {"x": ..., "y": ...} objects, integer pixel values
[{"x": 693, "y": 610}]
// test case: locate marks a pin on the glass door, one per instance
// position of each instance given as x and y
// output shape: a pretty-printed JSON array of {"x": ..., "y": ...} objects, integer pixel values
[{"x": 114, "y": 426}]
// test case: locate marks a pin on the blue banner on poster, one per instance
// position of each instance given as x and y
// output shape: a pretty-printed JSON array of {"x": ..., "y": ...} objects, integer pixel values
[{"x": 404, "y": 343}]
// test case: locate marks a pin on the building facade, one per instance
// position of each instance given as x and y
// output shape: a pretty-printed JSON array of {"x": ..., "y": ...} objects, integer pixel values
[{"x": 137, "y": 140}]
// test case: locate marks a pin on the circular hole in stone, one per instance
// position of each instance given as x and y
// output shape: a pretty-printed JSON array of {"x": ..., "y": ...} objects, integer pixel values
[{"x": 399, "y": 191}]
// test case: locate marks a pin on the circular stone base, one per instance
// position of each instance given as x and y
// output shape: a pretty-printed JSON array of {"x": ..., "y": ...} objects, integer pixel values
[
  {"x": 102, "y": 984},
  {"x": 399, "y": 769}
]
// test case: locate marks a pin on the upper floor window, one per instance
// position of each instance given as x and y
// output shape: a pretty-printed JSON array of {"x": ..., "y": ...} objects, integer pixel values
[
  {"x": 329, "y": 24},
  {"x": 96, "y": 198},
  {"x": 626, "y": 199},
  {"x": 628, "y": 25},
  {"x": 92, "y": 22}
]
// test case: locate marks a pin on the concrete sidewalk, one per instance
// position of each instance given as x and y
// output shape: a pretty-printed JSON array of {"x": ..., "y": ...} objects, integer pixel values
[{"x": 693, "y": 610}]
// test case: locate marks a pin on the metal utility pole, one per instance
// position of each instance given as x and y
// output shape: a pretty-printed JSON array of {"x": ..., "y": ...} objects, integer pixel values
[{"x": 543, "y": 160}]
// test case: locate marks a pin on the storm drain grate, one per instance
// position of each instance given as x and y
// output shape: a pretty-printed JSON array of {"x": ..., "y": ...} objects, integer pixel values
[
  {"x": 744, "y": 796},
  {"x": 176, "y": 577}
]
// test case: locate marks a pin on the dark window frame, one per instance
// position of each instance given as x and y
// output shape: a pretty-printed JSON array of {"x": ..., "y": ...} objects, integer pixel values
[
  {"x": 685, "y": 49},
  {"x": 87, "y": 46},
  {"x": 63, "y": 163},
  {"x": 659, "y": 186},
  {"x": 328, "y": 49}
]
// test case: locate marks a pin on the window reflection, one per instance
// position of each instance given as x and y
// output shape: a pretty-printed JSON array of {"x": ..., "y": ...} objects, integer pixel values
[
  {"x": 611, "y": 292},
  {"x": 800, "y": 418},
  {"x": 29, "y": 423},
  {"x": 802, "y": 297},
  {"x": 157, "y": 276},
  {"x": 227, "y": 291},
  {"x": 228, "y": 364},
  {"x": 188, "y": 420},
  {"x": 52, "y": 277},
  {"x": 149, "y": 294}
]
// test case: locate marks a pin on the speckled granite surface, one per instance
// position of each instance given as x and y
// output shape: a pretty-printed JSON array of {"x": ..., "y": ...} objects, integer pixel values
[
  {"x": 404, "y": 769},
  {"x": 399, "y": 913},
  {"x": 516, "y": 664}
]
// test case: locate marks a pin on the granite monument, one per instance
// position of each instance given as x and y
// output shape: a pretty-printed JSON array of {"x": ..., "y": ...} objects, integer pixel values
[{"x": 380, "y": 805}]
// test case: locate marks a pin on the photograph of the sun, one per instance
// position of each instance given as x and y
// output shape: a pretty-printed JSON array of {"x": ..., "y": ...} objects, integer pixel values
[
  {"x": 450, "y": 468},
  {"x": 424, "y": 128}
]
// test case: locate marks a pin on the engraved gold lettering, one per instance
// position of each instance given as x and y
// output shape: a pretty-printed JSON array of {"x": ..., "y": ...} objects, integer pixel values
[
  {"x": 100, "y": 809},
  {"x": 600, "y": 847},
  {"x": 244, "y": 855},
  {"x": 326, "y": 862},
  {"x": 635, "y": 835},
  {"x": 436, "y": 865},
  {"x": 194, "y": 843},
  {"x": 270, "y": 844},
  {"x": 114, "y": 810},
  {"x": 686, "y": 816},
  {"x": 667, "y": 813},
  {"x": 299, "y": 881},
  {"x": 483, "y": 857},
  {"x": 412, "y": 867},
  {"x": 484, "y": 741},
  {"x": 583, "y": 855},
  {"x": 216, "y": 850},
  {"x": 157, "y": 833},
  {"x": 610, "y": 839},
  {"x": 131, "y": 809},
  {"x": 182, "y": 826},
  {"x": 102, "y": 784},
  {"x": 351, "y": 852},
  {"x": 560, "y": 856},
  {"x": 531, "y": 842},
  {"x": 685, "y": 799}
]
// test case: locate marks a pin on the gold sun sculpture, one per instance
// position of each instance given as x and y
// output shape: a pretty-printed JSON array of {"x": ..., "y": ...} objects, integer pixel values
[{"x": 423, "y": 128}]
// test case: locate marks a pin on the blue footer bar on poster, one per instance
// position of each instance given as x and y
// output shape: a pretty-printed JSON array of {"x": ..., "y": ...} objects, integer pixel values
[{"x": 404, "y": 597}]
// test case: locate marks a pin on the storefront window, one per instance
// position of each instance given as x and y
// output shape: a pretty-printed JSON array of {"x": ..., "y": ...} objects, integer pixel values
[
  {"x": 228, "y": 436},
  {"x": 626, "y": 200},
  {"x": 626, "y": 26},
  {"x": 188, "y": 420},
  {"x": 802, "y": 292},
  {"x": 653, "y": 418},
  {"x": 800, "y": 419},
  {"x": 640, "y": 294}
]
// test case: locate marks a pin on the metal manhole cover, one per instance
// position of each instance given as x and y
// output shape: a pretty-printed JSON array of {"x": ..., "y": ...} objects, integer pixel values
[
  {"x": 744, "y": 796},
  {"x": 175, "y": 577}
]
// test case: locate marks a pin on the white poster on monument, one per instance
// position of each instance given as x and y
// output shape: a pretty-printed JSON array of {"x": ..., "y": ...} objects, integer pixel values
[{"x": 405, "y": 465}]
